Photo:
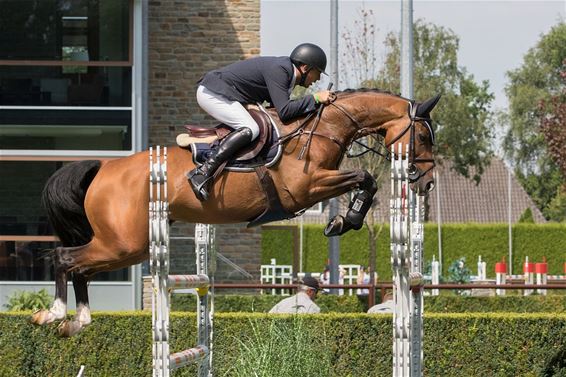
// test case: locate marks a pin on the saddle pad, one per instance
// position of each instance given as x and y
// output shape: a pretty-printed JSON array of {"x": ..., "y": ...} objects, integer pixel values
[{"x": 268, "y": 156}]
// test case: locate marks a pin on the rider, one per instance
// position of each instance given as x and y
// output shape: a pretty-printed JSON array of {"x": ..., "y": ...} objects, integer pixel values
[{"x": 223, "y": 92}]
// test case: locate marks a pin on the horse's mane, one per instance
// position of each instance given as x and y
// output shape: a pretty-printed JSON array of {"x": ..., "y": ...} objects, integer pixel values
[
  {"x": 367, "y": 90},
  {"x": 344, "y": 93}
]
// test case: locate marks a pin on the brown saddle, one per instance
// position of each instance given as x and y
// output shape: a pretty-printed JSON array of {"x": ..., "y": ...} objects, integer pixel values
[{"x": 222, "y": 130}]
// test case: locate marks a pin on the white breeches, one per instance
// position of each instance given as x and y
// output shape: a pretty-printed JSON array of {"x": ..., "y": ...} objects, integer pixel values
[{"x": 231, "y": 113}]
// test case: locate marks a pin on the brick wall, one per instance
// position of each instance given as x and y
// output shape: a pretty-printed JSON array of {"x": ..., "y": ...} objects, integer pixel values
[{"x": 187, "y": 39}]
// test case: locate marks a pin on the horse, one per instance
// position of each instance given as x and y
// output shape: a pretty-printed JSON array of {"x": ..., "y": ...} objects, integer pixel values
[{"x": 99, "y": 209}]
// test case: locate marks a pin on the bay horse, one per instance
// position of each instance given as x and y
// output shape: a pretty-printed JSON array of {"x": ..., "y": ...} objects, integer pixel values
[{"x": 99, "y": 209}]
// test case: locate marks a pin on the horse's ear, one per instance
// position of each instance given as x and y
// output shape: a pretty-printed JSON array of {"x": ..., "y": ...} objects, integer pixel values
[{"x": 424, "y": 109}]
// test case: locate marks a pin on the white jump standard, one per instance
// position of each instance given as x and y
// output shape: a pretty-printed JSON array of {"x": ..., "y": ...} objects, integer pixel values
[
  {"x": 163, "y": 283},
  {"x": 407, "y": 215}
]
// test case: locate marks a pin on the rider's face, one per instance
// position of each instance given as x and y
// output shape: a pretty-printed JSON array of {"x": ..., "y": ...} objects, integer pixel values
[{"x": 312, "y": 76}]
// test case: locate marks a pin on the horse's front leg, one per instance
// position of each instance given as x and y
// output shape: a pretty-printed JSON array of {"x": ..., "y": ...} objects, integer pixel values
[{"x": 334, "y": 183}]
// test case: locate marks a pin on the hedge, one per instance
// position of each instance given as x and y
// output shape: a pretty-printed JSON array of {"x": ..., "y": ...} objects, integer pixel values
[
  {"x": 459, "y": 240},
  {"x": 355, "y": 304},
  {"x": 263, "y": 303},
  {"x": 357, "y": 344}
]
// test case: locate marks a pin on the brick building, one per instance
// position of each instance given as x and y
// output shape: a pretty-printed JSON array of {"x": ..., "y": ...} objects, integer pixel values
[
  {"x": 187, "y": 39},
  {"x": 86, "y": 79}
]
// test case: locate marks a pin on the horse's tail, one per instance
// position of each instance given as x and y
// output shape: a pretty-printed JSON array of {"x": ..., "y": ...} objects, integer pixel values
[{"x": 63, "y": 197}]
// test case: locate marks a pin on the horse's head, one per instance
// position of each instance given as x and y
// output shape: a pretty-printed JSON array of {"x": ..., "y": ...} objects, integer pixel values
[
  {"x": 399, "y": 121},
  {"x": 414, "y": 131}
]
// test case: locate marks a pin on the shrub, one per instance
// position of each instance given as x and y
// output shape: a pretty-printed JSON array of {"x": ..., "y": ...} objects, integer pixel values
[{"x": 28, "y": 300}]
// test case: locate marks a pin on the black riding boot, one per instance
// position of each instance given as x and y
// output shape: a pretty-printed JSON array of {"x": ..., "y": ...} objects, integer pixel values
[{"x": 200, "y": 178}]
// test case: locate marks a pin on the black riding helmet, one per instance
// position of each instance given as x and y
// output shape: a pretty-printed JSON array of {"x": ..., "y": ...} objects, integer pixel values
[{"x": 311, "y": 55}]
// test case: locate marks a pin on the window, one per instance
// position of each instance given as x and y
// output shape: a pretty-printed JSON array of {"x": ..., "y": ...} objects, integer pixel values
[
  {"x": 66, "y": 71},
  {"x": 25, "y": 234},
  {"x": 67, "y": 79},
  {"x": 31, "y": 261},
  {"x": 65, "y": 130},
  {"x": 70, "y": 30}
]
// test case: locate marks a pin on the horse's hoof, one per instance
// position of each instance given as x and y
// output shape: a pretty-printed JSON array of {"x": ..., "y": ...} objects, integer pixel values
[
  {"x": 335, "y": 227},
  {"x": 67, "y": 329},
  {"x": 43, "y": 317}
]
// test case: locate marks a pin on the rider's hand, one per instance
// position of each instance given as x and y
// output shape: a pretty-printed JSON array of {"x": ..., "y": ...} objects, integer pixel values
[{"x": 325, "y": 97}]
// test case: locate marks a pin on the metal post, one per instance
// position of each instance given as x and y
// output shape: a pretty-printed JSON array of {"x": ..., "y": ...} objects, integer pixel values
[
  {"x": 204, "y": 242},
  {"x": 334, "y": 74},
  {"x": 407, "y": 236},
  {"x": 334, "y": 242},
  {"x": 407, "y": 48},
  {"x": 509, "y": 222},
  {"x": 439, "y": 220},
  {"x": 163, "y": 283},
  {"x": 334, "y": 249}
]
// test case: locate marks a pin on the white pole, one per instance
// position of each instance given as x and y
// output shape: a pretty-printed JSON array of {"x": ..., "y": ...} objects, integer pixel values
[
  {"x": 407, "y": 48},
  {"x": 509, "y": 220},
  {"x": 301, "y": 226},
  {"x": 334, "y": 43},
  {"x": 438, "y": 218},
  {"x": 334, "y": 242},
  {"x": 435, "y": 276}
]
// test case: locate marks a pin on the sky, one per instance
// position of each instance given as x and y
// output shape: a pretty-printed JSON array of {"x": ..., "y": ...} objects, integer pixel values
[{"x": 494, "y": 35}]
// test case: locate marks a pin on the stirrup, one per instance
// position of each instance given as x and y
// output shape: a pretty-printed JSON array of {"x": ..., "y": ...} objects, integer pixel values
[{"x": 200, "y": 189}]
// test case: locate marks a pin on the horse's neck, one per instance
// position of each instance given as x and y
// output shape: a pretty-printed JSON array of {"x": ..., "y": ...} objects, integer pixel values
[{"x": 341, "y": 124}]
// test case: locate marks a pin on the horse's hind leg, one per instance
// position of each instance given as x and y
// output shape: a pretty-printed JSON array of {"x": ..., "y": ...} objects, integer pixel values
[
  {"x": 58, "y": 310},
  {"x": 82, "y": 317}
]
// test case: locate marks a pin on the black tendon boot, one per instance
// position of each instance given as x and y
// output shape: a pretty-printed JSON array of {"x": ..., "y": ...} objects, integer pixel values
[{"x": 201, "y": 177}]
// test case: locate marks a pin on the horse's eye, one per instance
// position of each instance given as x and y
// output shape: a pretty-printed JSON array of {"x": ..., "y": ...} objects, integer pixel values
[{"x": 422, "y": 138}]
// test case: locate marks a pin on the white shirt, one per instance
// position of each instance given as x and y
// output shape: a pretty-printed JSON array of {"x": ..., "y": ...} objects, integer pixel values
[
  {"x": 383, "y": 308},
  {"x": 297, "y": 304}
]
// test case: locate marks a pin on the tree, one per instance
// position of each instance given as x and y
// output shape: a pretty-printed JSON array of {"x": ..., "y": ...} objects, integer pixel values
[
  {"x": 359, "y": 60},
  {"x": 463, "y": 134},
  {"x": 361, "y": 66},
  {"x": 553, "y": 128},
  {"x": 536, "y": 82},
  {"x": 463, "y": 114},
  {"x": 553, "y": 124}
]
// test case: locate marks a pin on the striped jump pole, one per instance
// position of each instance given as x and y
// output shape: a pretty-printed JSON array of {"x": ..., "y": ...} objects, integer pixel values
[
  {"x": 541, "y": 270},
  {"x": 407, "y": 232},
  {"x": 500, "y": 276},
  {"x": 163, "y": 283}
]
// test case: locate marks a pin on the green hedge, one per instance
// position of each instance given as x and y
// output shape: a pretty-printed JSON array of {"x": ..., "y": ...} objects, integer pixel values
[
  {"x": 263, "y": 303},
  {"x": 357, "y": 344},
  {"x": 355, "y": 304},
  {"x": 501, "y": 304},
  {"x": 459, "y": 240}
]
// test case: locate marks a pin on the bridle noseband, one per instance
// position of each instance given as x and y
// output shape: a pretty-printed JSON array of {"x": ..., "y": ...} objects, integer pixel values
[{"x": 414, "y": 172}]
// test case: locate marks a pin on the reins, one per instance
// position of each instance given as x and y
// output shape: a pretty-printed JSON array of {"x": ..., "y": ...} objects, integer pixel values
[{"x": 414, "y": 172}]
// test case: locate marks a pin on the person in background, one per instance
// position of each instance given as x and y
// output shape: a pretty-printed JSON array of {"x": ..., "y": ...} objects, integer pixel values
[
  {"x": 303, "y": 301},
  {"x": 363, "y": 278},
  {"x": 386, "y": 306},
  {"x": 342, "y": 274},
  {"x": 325, "y": 278}
]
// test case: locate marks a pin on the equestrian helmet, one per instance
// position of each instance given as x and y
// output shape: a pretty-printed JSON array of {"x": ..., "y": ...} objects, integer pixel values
[{"x": 309, "y": 54}]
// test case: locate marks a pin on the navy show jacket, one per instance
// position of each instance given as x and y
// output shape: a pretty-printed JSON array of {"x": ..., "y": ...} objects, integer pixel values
[{"x": 259, "y": 79}]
